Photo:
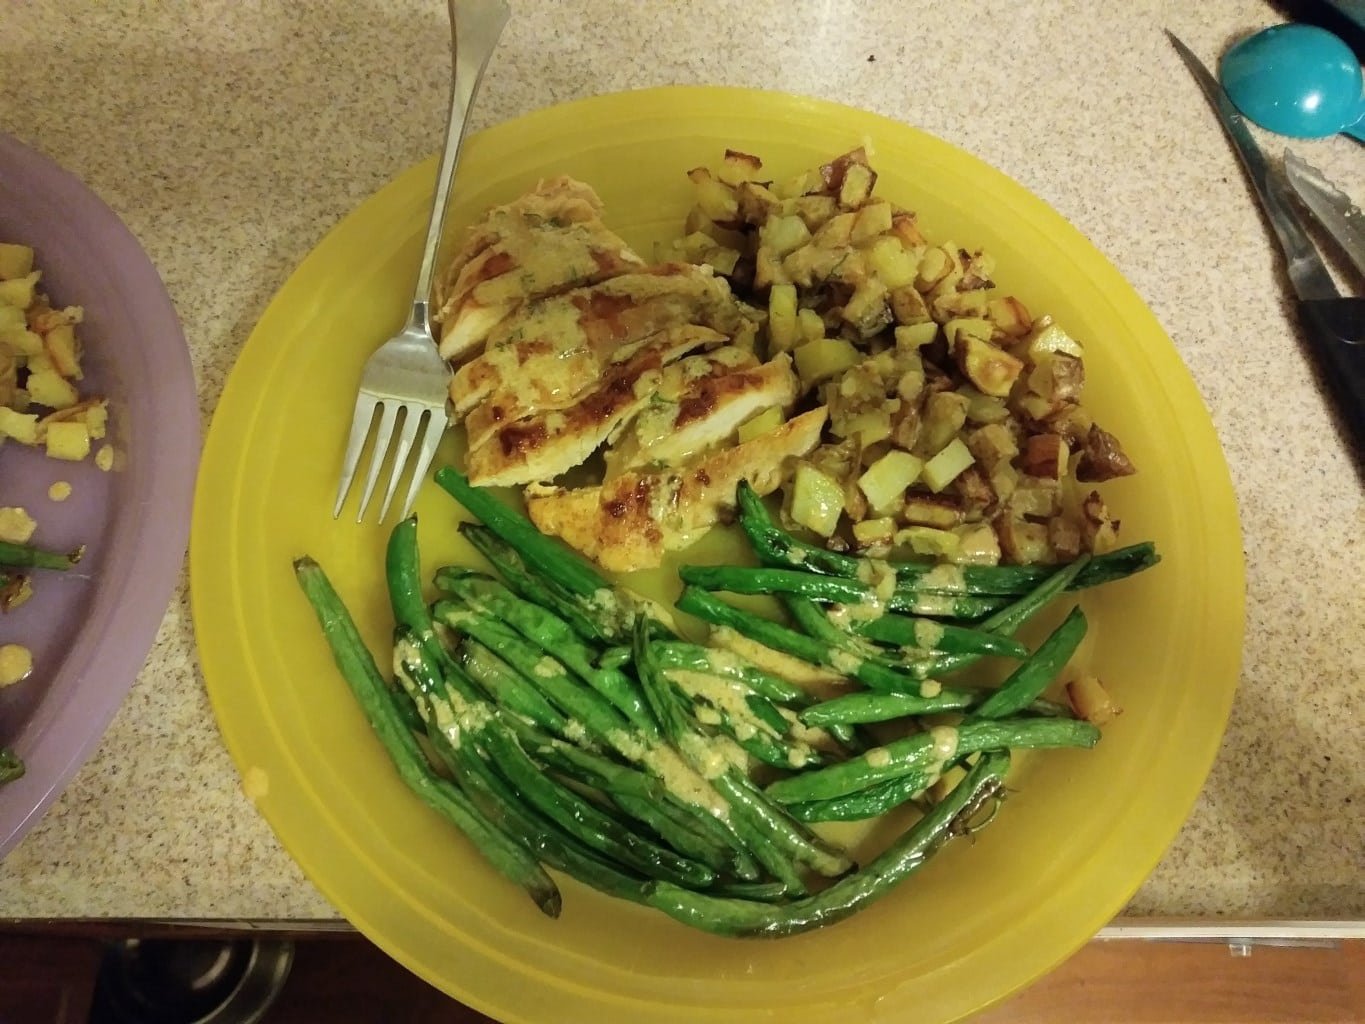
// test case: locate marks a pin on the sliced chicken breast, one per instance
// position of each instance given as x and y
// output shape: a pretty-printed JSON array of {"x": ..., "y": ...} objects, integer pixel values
[
  {"x": 562, "y": 383},
  {"x": 532, "y": 248},
  {"x": 630, "y": 522},
  {"x": 705, "y": 411},
  {"x": 543, "y": 446},
  {"x": 566, "y": 341}
]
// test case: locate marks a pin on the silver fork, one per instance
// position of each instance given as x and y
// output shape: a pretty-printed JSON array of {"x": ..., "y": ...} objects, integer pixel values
[{"x": 407, "y": 374}]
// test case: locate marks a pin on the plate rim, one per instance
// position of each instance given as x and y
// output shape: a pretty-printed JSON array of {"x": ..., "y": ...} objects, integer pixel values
[
  {"x": 1106, "y": 277},
  {"x": 153, "y": 545}
]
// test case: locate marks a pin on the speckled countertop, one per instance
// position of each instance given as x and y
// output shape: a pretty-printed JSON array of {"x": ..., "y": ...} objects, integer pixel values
[{"x": 232, "y": 134}]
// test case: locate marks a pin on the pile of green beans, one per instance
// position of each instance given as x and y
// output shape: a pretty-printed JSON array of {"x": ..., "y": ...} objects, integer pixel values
[{"x": 557, "y": 722}]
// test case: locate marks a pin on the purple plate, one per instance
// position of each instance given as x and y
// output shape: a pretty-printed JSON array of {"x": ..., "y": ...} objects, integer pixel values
[{"x": 90, "y": 630}]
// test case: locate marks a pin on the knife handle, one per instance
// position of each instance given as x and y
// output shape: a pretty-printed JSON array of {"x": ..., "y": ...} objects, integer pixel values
[{"x": 1336, "y": 332}]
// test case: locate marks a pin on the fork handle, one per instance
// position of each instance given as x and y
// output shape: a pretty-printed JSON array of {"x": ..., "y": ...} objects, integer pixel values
[{"x": 475, "y": 26}]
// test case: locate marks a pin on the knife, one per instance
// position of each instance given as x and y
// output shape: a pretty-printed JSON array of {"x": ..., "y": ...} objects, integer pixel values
[
  {"x": 1332, "y": 207},
  {"x": 1333, "y": 326}
]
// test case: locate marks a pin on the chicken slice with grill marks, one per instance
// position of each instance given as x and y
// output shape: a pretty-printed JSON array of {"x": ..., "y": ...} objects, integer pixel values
[
  {"x": 698, "y": 411},
  {"x": 542, "y": 446},
  {"x": 561, "y": 383},
  {"x": 549, "y": 348},
  {"x": 631, "y": 521},
  {"x": 550, "y": 240}
]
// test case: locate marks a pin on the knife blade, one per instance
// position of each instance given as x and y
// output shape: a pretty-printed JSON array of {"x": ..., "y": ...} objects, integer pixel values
[
  {"x": 1307, "y": 273},
  {"x": 1330, "y": 205},
  {"x": 1334, "y": 327}
]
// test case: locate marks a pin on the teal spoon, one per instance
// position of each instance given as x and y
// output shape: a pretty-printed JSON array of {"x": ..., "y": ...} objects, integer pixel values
[{"x": 1296, "y": 80}]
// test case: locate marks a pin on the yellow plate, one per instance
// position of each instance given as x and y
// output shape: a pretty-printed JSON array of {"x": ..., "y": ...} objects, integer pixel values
[{"x": 984, "y": 918}]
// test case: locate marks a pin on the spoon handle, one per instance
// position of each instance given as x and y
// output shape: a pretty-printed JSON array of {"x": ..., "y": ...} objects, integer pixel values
[{"x": 1336, "y": 334}]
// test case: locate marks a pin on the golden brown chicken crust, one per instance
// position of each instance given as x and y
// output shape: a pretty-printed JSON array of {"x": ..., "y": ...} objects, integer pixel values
[{"x": 630, "y": 522}]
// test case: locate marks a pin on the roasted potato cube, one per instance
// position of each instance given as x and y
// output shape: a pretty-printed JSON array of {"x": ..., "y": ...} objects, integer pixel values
[
  {"x": 1021, "y": 542},
  {"x": 904, "y": 227},
  {"x": 816, "y": 211},
  {"x": 1102, "y": 458},
  {"x": 715, "y": 199},
  {"x": 870, "y": 533},
  {"x": 895, "y": 267},
  {"x": 950, "y": 304},
  {"x": 974, "y": 491},
  {"x": 783, "y": 235},
  {"x": 1073, "y": 422},
  {"x": 930, "y": 541},
  {"x": 983, "y": 408},
  {"x": 885, "y": 481},
  {"x": 1010, "y": 316},
  {"x": 1036, "y": 498},
  {"x": 817, "y": 500},
  {"x": 938, "y": 265},
  {"x": 1099, "y": 533},
  {"x": 1046, "y": 337},
  {"x": 12, "y": 320},
  {"x": 856, "y": 188},
  {"x": 937, "y": 510},
  {"x": 804, "y": 184},
  {"x": 15, "y": 261},
  {"x": 947, "y": 465},
  {"x": 769, "y": 270},
  {"x": 64, "y": 351},
  {"x": 824, "y": 358},
  {"x": 1091, "y": 701},
  {"x": 1057, "y": 377},
  {"x": 943, "y": 416},
  {"x": 867, "y": 311},
  {"x": 756, "y": 203},
  {"x": 1045, "y": 455},
  {"x": 739, "y": 167},
  {"x": 21, "y": 341},
  {"x": 19, "y": 291},
  {"x": 977, "y": 545},
  {"x": 1065, "y": 537},
  {"x": 21, "y": 426},
  {"x": 992, "y": 445},
  {"x": 909, "y": 308},
  {"x": 47, "y": 387},
  {"x": 874, "y": 219},
  {"x": 16, "y": 525},
  {"x": 991, "y": 370},
  {"x": 728, "y": 237},
  {"x": 70, "y": 441},
  {"x": 782, "y": 325}
]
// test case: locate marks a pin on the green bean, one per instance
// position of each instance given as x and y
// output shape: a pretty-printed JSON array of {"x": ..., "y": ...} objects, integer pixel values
[
  {"x": 775, "y": 547},
  {"x": 11, "y": 766},
  {"x": 25, "y": 556},
  {"x": 530, "y": 585},
  {"x": 901, "y": 631},
  {"x": 867, "y": 671},
  {"x": 553, "y": 636},
  {"x": 932, "y": 749},
  {"x": 738, "y": 579},
  {"x": 582, "y": 819},
  {"x": 745, "y": 918},
  {"x": 863, "y": 708},
  {"x": 357, "y": 667},
  {"x": 508, "y": 689},
  {"x": 546, "y": 556},
  {"x": 695, "y": 658},
  {"x": 578, "y": 701},
  {"x": 1027, "y": 682}
]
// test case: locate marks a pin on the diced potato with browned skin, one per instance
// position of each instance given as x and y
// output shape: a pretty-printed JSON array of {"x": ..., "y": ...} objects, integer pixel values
[
  {"x": 738, "y": 167},
  {"x": 1022, "y": 541},
  {"x": 1045, "y": 455},
  {"x": 1102, "y": 458},
  {"x": 1099, "y": 532},
  {"x": 940, "y": 511},
  {"x": 992, "y": 370}
]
